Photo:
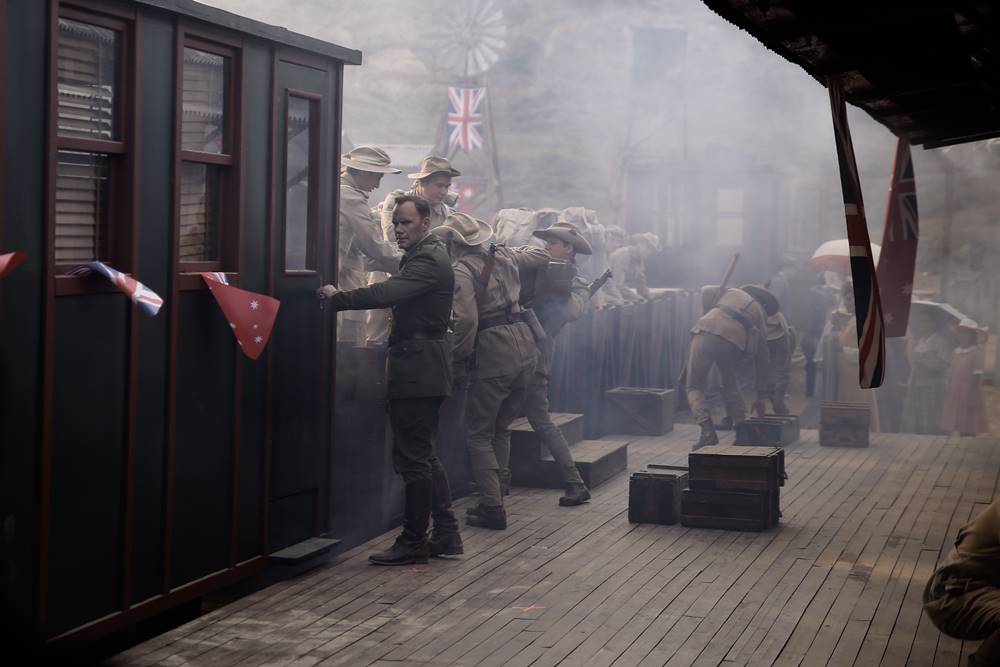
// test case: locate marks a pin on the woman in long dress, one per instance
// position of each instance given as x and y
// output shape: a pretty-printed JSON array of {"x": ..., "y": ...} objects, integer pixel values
[
  {"x": 930, "y": 359},
  {"x": 964, "y": 406}
]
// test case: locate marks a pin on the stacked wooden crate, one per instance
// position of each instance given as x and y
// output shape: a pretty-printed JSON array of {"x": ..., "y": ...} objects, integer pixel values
[
  {"x": 531, "y": 464},
  {"x": 734, "y": 487}
]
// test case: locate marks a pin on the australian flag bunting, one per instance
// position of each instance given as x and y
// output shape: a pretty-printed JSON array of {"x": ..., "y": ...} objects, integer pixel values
[
  {"x": 250, "y": 315},
  {"x": 868, "y": 305}
]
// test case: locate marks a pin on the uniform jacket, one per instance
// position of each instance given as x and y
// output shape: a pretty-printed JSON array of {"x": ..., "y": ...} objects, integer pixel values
[
  {"x": 420, "y": 296},
  {"x": 749, "y": 335},
  {"x": 629, "y": 270},
  {"x": 362, "y": 247},
  {"x": 553, "y": 312},
  {"x": 500, "y": 350}
]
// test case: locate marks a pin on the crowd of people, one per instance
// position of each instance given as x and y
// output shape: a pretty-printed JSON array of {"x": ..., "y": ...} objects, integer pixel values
[
  {"x": 464, "y": 303},
  {"x": 465, "y": 313},
  {"x": 933, "y": 382}
]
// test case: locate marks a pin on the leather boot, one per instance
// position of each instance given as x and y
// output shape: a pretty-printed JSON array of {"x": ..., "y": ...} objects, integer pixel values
[
  {"x": 708, "y": 436},
  {"x": 445, "y": 539},
  {"x": 494, "y": 518},
  {"x": 576, "y": 494},
  {"x": 411, "y": 545},
  {"x": 726, "y": 424}
]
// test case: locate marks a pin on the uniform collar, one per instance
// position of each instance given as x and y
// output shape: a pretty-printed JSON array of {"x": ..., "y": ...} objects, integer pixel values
[{"x": 347, "y": 179}]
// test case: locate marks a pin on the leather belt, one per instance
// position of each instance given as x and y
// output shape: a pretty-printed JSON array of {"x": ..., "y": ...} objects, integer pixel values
[
  {"x": 416, "y": 335},
  {"x": 737, "y": 315},
  {"x": 498, "y": 320}
]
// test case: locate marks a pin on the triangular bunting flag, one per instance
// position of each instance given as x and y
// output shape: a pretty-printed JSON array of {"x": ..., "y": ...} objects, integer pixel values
[
  {"x": 250, "y": 315},
  {"x": 10, "y": 261}
]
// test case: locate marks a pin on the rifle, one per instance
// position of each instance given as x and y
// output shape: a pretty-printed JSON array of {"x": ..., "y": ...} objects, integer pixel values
[
  {"x": 599, "y": 282},
  {"x": 682, "y": 378}
]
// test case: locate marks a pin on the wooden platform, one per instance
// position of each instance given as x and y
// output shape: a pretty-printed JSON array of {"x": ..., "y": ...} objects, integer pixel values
[{"x": 838, "y": 582}]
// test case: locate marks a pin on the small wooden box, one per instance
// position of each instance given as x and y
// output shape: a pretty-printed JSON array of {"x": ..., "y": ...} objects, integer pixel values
[
  {"x": 737, "y": 468},
  {"x": 730, "y": 510},
  {"x": 768, "y": 431},
  {"x": 639, "y": 410},
  {"x": 844, "y": 424},
  {"x": 654, "y": 494}
]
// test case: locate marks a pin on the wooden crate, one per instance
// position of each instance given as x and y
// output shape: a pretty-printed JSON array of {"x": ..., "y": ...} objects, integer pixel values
[
  {"x": 844, "y": 424},
  {"x": 654, "y": 494},
  {"x": 768, "y": 431},
  {"x": 737, "y": 468},
  {"x": 597, "y": 461},
  {"x": 730, "y": 510},
  {"x": 526, "y": 445},
  {"x": 639, "y": 410}
]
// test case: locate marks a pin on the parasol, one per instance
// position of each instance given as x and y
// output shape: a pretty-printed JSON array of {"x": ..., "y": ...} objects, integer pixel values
[{"x": 836, "y": 256}]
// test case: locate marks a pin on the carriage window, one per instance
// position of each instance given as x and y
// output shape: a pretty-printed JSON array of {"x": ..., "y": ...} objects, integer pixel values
[
  {"x": 208, "y": 188},
  {"x": 88, "y": 61},
  {"x": 90, "y": 141},
  {"x": 300, "y": 167},
  {"x": 203, "y": 128}
]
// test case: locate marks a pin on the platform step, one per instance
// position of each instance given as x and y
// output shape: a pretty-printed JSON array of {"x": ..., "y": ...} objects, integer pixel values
[
  {"x": 597, "y": 461},
  {"x": 526, "y": 446}
]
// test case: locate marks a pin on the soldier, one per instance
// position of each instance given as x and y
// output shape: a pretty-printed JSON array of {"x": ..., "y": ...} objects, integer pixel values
[
  {"x": 733, "y": 326},
  {"x": 418, "y": 378},
  {"x": 962, "y": 598},
  {"x": 431, "y": 183},
  {"x": 556, "y": 295},
  {"x": 629, "y": 265},
  {"x": 492, "y": 338},
  {"x": 362, "y": 245},
  {"x": 780, "y": 345}
]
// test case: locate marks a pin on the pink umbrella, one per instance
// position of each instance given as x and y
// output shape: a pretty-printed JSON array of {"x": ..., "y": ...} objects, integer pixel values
[{"x": 836, "y": 256}]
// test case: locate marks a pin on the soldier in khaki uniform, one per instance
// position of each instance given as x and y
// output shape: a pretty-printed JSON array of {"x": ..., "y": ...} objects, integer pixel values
[
  {"x": 629, "y": 265},
  {"x": 493, "y": 340},
  {"x": 431, "y": 183},
  {"x": 962, "y": 597},
  {"x": 418, "y": 377},
  {"x": 731, "y": 328},
  {"x": 362, "y": 246},
  {"x": 556, "y": 295},
  {"x": 780, "y": 346}
]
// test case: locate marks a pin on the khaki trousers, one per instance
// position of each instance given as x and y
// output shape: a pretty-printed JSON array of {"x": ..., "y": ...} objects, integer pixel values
[
  {"x": 709, "y": 350},
  {"x": 536, "y": 409},
  {"x": 960, "y": 607},
  {"x": 779, "y": 372},
  {"x": 491, "y": 406}
]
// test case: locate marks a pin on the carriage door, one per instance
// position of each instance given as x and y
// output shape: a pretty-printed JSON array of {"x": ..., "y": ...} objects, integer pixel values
[{"x": 301, "y": 242}]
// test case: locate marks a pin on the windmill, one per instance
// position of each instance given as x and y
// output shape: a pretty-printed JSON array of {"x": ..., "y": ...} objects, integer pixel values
[{"x": 467, "y": 43}]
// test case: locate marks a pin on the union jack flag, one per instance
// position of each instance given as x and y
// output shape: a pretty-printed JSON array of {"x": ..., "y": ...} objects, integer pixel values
[
  {"x": 902, "y": 215},
  {"x": 464, "y": 118},
  {"x": 10, "y": 261},
  {"x": 867, "y": 304},
  {"x": 898, "y": 262},
  {"x": 149, "y": 302}
]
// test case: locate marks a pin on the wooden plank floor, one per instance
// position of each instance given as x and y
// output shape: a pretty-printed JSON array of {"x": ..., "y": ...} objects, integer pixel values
[{"x": 838, "y": 583}]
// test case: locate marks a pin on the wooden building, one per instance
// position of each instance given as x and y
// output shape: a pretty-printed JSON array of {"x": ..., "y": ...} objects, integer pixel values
[{"x": 144, "y": 461}]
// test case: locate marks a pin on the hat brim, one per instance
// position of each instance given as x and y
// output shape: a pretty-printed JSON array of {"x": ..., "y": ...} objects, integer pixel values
[
  {"x": 363, "y": 166},
  {"x": 479, "y": 238},
  {"x": 768, "y": 300},
  {"x": 580, "y": 244},
  {"x": 424, "y": 174}
]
